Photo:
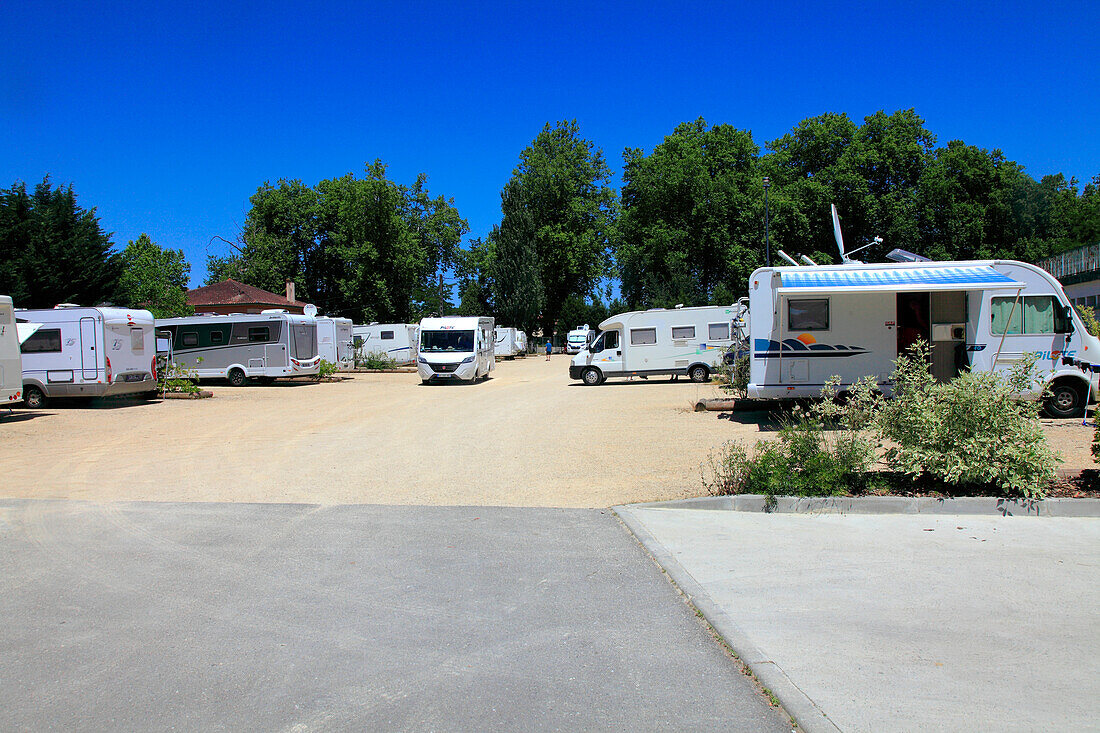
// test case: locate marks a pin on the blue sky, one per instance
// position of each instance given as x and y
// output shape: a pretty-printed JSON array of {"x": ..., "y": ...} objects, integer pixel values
[{"x": 168, "y": 118}]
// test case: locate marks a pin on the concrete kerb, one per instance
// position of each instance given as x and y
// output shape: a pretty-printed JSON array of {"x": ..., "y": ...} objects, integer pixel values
[
  {"x": 793, "y": 700},
  {"x": 979, "y": 505}
]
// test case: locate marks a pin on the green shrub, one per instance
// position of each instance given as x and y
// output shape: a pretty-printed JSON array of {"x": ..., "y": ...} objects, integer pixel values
[
  {"x": 326, "y": 369},
  {"x": 176, "y": 378},
  {"x": 735, "y": 375},
  {"x": 1088, "y": 317},
  {"x": 376, "y": 360},
  {"x": 972, "y": 433}
]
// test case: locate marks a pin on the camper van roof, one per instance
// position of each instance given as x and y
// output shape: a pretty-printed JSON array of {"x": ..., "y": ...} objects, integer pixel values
[
  {"x": 907, "y": 276},
  {"x": 453, "y": 322}
]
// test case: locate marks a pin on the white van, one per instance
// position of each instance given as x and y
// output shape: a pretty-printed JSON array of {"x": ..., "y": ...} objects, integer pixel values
[
  {"x": 395, "y": 340},
  {"x": 521, "y": 343},
  {"x": 456, "y": 348},
  {"x": 507, "y": 342},
  {"x": 11, "y": 365},
  {"x": 243, "y": 346},
  {"x": 87, "y": 352},
  {"x": 810, "y": 323},
  {"x": 578, "y": 339},
  {"x": 676, "y": 341},
  {"x": 334, "y": 341}
]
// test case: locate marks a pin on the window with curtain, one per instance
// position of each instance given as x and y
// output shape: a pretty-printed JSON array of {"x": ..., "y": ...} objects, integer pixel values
[{"x": 1032, "y": 314}]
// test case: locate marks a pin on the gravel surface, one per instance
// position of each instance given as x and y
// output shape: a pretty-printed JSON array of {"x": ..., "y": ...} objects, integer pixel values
[{"x": 527, "y": 437}]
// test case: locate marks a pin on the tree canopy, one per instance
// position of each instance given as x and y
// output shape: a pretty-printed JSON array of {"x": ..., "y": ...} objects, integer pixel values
[{"x": 154, "y": 278}]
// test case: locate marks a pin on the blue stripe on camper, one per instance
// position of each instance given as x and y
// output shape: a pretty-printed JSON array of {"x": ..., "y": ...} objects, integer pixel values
[{"x": 856, "y": 277}]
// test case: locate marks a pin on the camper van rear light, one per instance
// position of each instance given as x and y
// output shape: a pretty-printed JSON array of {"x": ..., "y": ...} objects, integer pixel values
[
  {"x": 153, "y": 368},
  {"x": 108, "y": 359}
]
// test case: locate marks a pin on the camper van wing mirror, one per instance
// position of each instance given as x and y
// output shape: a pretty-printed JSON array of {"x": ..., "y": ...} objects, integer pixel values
[{"x": 1066, "y": 326}]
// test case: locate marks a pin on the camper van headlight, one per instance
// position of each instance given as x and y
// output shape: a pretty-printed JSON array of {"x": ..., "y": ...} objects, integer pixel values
[
  {"x": 422, "y": 360},
  {"x": 467, "y": 360}
]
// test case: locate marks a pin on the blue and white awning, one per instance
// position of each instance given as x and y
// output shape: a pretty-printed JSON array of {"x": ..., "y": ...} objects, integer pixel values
[{"x": 917, "y": 278}]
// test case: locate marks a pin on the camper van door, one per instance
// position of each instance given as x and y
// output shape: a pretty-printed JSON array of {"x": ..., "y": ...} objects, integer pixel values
[{"x": 607, "y": 353}]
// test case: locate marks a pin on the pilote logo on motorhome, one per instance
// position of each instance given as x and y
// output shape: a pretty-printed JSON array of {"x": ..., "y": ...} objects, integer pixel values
[{"x": 803, "y": 346}]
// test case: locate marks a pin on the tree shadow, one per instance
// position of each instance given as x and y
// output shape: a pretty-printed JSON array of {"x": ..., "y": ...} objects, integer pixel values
[{"x": 7, "y": 418}]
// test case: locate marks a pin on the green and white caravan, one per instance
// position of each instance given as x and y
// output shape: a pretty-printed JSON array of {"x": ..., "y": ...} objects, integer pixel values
[
  {"x": 808, "y": 324},
  {"x": 672, "y": 341}
]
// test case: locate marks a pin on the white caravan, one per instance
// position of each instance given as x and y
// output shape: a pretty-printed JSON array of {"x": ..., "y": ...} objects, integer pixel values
[
  {"x": 396, "y": 340},
  {"x": 11, "y": 365},
  {"x": 243, "y": 346},
  {"x": 456, "y": 348},
  {"x": 688, "y": 341},
  {"x": 507, "y": 342},
  {"x": 578, "y": 339},
  {"x": 521, "y": 342},
  {"x": 87, "y": 352},
  {"x": 810, "y": 323},
  {"x": 334, "y": 341}
]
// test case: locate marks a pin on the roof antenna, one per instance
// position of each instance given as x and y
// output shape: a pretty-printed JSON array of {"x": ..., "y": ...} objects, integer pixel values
[
  {"x": 787, "y": 257},
  {"x": 807, "y": 260}
]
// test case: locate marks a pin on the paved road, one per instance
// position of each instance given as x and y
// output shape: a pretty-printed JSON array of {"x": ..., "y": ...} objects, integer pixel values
[
  {"x": 294, "y": 617},
  {"x": 903, "y": 623}
]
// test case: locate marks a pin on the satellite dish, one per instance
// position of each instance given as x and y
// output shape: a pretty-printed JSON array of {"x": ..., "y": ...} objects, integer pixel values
[{"x": 837, "y": 235}]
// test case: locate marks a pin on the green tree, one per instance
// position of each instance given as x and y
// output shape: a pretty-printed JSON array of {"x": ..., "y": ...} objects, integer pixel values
[
  {"x": 561, "y": 185},
  {"x": 519, "y": 295},
  {"x": 154, "y": 278},
  {"x": 692, "y": 216},
  {"x": 52, "y": 250},
  {"x": 472, "y": 271}
]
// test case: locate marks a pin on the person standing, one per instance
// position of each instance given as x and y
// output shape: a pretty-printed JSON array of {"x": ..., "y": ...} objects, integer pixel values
[{"x": 549, "y": 348}]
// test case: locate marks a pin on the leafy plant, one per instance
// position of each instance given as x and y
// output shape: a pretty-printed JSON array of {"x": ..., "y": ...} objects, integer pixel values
[
  {"x": 177, "y": 378},
  {"x": 1088, "y": 317},
  {"x": 376, "y": 360},
  {"x": 326, "y": 369},
  {"x": 735, "y": 376}
]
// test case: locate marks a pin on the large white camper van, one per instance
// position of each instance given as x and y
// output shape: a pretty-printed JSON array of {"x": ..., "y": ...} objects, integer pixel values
[
  {"x": 507, "y": 342},
  {"x": 87, "y": 352},
  {"x": 852, "y": 320},
  {"x": 11, "y": 365},
  {"x": 578, "y": 339},
  {"x": 521, "y": 343},
  {"x": 456, "y": 348},
  {"x": 676, "y": 341},
  {"x": 398, "y": 341},
  {"x": 334, "y": 341},
  {"x": 240, "y": 346}
]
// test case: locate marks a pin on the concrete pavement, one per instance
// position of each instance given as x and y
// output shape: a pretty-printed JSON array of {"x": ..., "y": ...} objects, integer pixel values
[
  {"x": 142, "y": 616},
  {"x": 899, "y": 623}
]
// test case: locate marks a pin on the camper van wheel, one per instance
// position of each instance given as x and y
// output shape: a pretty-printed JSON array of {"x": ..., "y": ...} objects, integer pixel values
[
  {"x": 33, "y": 397},
  {"x": 1065, "y": 400},
  {"x": 592, "y": 377},
  {"x": 699, "y": 373},
  {"x": 237, "y": 378}
]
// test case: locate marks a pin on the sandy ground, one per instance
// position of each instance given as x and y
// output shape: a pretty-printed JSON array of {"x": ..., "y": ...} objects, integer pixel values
[{"x": 527, "y": 437}]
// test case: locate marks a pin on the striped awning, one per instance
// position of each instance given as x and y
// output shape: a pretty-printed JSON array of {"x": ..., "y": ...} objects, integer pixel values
[{"x": 856, "y": 278}]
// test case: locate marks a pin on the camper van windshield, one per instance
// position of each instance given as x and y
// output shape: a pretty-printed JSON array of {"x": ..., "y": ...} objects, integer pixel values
[{"x": 447, "y": 341}]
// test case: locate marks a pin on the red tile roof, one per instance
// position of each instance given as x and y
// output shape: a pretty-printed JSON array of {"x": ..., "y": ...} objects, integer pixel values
[{"x": 231, "y": 292}]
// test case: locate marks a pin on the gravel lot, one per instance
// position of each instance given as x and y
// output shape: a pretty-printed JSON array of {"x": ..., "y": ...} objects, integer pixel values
[{"x": 527, "y": 437}]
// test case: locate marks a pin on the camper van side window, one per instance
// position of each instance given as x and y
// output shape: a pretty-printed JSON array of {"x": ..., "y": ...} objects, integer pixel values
[
  {"x": 137, "y": 340},
  {"x": 216, "y": 338},
  {"x": 1030, "y": 314},
  {"x": 642, "y": 336},
  {"x": 189, "y": 338},
  {"x": 808, "y": 315},
  {"x": 43, "y": 341},
  {"x": 258, "y": 334},
  {"x": 683, "y": 332},
  {"x": 718, "y": 331},
  {"x": 387, "y": 336}
]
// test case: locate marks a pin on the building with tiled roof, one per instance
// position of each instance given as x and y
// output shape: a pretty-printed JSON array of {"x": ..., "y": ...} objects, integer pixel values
[{"x": 230, "y": 296}]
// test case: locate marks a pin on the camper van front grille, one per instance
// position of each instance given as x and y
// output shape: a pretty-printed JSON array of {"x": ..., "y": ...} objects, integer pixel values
[{"x": 442, "y": 368}]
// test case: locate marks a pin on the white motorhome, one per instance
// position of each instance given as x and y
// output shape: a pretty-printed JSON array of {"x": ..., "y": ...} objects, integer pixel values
[
  {"x": 11, "y": 364},
  {"x": 398, "y": 341},
  {"x": 241, "y": 346},
  {"x": 456, "y": 348},
  {"x": 507, "y": 342},
  {"x": 521, "y": 342},
  {"x": 334, "y": 341},
  {"x": 676, "y": 341},
  {"x": 808, "y": 324},
  {"x": 87, "y": 352},
  {"x": 578, "y": 339}
]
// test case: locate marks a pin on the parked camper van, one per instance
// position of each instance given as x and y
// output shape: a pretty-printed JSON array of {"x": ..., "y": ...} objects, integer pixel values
[
  {"x": 456, "y": 348},
  {"x": 507, "y": 342},
  {"x": 687, "y": 341},
  {"x": 240, "y": 346},
  {"x": 521, "y": 343},
  {"x": 11, "y": 365},
  {"x": 810, "y": 323},
  {"x": 395, "y": 340},
  {"x": 334, "y": 341},
  {"x": 578, "y": 339},
  {"x": 87, "y": 352}
]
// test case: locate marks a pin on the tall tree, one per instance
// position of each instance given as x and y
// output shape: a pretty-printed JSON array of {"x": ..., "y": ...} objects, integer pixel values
[
  {"x": 154, "y": 278},
  {"x": 519, "y": 295},
  {"x": 52, "y": 250},
  {"x": 561, "y": 185},
  {"x": 473, "y": 272},
  {"x": 692, "y": 216}
]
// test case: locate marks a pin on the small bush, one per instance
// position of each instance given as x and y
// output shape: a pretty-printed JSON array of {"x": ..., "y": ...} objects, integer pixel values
[
  {"x": 176, "y": 378},
  {"x": 1088, "y": 317},
  {"x": 376, "y": 360},
  {"x": 735, "y": 376},
  {"x": 326, "y": 369}
]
